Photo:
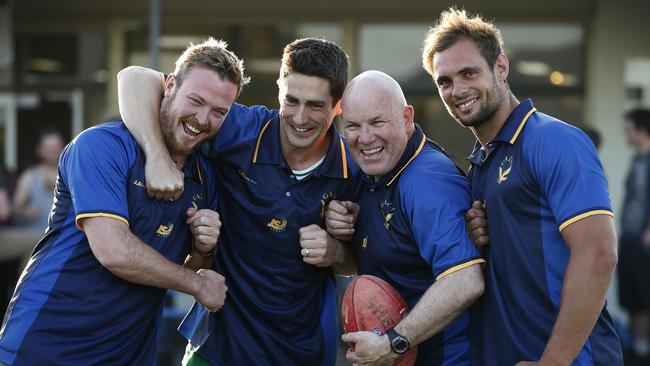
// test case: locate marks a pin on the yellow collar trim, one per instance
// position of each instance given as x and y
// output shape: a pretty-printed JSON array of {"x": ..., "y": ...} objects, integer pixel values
[
  {"x": 424, "y": 139},
  {"x": 259, "y": 139},
  {"x": 521, "y": 125}
]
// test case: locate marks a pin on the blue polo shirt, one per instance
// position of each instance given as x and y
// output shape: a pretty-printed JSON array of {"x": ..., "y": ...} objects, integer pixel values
[
  {"x": 67, "y": 308},
  {"x": 540, "y": 176},
  {"x": 279, "y": 310},
  {"x": 411, "y": 232}
]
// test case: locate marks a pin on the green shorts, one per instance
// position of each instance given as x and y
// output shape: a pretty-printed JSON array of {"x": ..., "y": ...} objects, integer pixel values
[{"x": 192, "y": 358}]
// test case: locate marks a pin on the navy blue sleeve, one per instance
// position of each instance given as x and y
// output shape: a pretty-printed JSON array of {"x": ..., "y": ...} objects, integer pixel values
[
  {"x": 568, "y": 170},
  {"x": 95, "y": 167},
  {"x": 242, "y": 124}
]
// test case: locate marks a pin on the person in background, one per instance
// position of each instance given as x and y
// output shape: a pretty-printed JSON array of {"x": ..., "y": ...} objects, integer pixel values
[
  {"x": 634, "y": 252},
  {"x": 594, "y": 136},
  {"x": 35, "y": 187}
]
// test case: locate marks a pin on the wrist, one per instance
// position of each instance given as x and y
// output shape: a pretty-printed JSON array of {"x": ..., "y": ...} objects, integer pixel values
[
  {"x": 209, "y": 254},
  {"x": 398, "y": 343},
  {"x": 548, "y": 358},
  {"x": 195, "y": 285}
]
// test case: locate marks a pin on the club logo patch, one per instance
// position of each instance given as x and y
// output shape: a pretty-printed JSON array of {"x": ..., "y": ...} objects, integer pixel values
[
  {"x": 278, "y": 225},
  {"x": 165, "y": 230},
  {"x": 387, "y": 209},
  {"x": 325, "y": 200},
  {"x": 504, "y": 169}
]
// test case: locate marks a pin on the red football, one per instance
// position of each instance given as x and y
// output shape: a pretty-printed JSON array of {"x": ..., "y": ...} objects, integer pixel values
[{"x": 371, "y": 304}]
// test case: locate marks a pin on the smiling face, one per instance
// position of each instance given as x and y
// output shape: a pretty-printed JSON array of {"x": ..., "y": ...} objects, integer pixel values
[
  {"x": 194, "y": 111},
  {"x": 471, "y": 90},
  {"x": 377, "y": 123},
  {"x": 306, "y": 112}
]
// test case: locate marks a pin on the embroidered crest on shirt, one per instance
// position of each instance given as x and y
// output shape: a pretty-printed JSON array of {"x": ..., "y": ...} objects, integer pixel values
[
  {"x": 325, "y": 200},
  {"x": 165, "y": 230},
  {"x": 504, "y": 169},
  {"x": 278, "y": 225},
  {"x": 138, "y": 183},
  {"x": 387, "y": 209},
  {"x": 364, "y": 243},
  {"x": 196, "y": 197}
]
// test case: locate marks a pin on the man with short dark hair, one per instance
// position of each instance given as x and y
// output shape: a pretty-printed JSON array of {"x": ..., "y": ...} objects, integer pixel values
[
  {"x": 552, "y": 248},
  {"x": 277, "y": 172},
  {"x": 634, "y": 262},
  {"x": 92, "y": 292}
]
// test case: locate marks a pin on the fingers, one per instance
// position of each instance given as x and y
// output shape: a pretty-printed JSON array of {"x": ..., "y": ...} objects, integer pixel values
[
  {"x": 205, "y": 226},
  {"x": 203, "y": 217},
  {"x": 350, "y": 337},
  {"x": 213, "y": 290},
  {"x": 310, "y": 232},
  {"x": 163, "y": 179},
  {"x": 337, "y": 206},
  {"x": 352, "y": 207},
  {"x": 474, "y": 213},
  {"x": 341, "y": 211},
  {"x": 166, "y": 192},
  {"x": 477, "y": 223},
  {"x": 340, "y": 218}
]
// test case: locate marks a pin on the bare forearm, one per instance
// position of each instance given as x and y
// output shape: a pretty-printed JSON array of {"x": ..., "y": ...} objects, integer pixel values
[
  {"x": 583, "y": 297},
  {"x": 126, "y": 256},
  {"x": 145, "y": 266},
  {"x": 443, "y": 302},
  {"x": 347, "y": 265},
  {"x": 139, "y": 96}
]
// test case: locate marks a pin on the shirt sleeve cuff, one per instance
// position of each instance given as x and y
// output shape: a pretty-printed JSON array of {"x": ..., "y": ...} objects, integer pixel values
[
  {"x": 458, "y": 267},
  {"x": 583, "y": 216},
  {"x": 98, "y": 214}
]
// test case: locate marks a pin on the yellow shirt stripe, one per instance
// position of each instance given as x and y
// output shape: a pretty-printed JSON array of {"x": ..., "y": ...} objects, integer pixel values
[
  {"x": 98, "y": 214},
  {"x": 459, "y": 267},
  {"x": 259, "y": 139},
  {"x": 584, "y": 215},
  {"x": 345, "y": 160}
]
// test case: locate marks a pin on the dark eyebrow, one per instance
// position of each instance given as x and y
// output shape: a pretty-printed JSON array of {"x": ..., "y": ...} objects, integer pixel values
[
  {"x": 309, "y": 102},
  {"x": 469, "y": 69}
]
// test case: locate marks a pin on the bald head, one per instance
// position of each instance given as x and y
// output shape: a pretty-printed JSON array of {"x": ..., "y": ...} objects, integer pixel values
[
  {"x": 377, "y": 122},
  {"x": 371, "y": 86}
]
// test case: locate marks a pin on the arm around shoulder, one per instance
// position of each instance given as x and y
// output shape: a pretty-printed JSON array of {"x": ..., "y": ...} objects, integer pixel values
[{"x": 140, "y": 91}]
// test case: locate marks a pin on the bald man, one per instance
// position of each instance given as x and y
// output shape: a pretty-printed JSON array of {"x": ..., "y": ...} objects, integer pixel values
[{"x": 409, "y": 229}]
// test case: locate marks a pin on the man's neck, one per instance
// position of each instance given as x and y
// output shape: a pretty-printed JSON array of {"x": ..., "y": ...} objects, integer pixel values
[
  {"x": 489, "y": 129},
  {"x": 299, "y": 159},
  {"x": 179, "y": 160}
]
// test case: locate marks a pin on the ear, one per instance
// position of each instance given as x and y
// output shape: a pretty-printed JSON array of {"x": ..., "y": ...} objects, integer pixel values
[
  {"x": 501, "y": 67},
  {"x": 409, "y": 115},
  {"x": 337, "y": 108},
  {"x": 170, "y": 85}
]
